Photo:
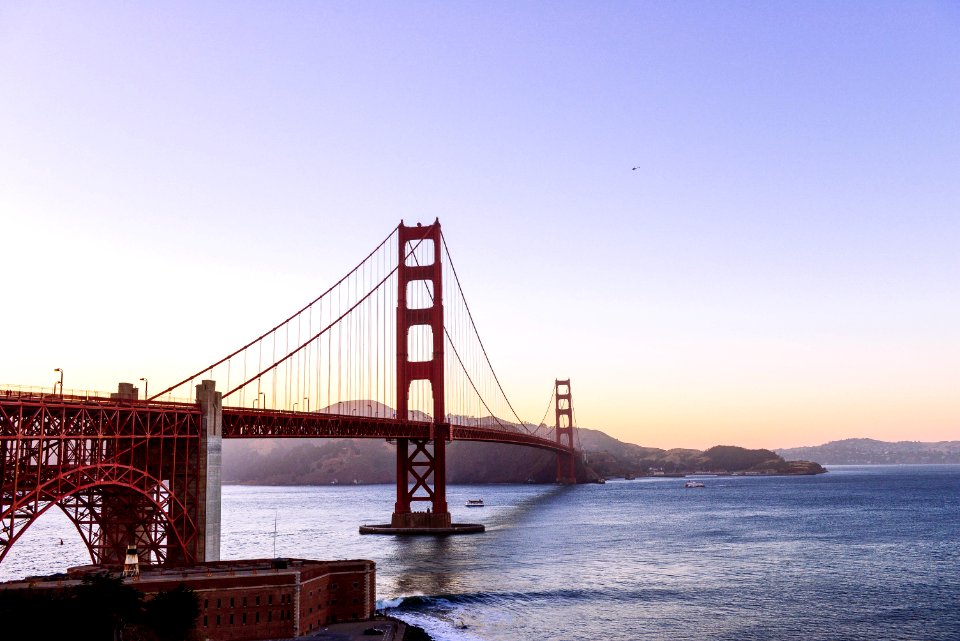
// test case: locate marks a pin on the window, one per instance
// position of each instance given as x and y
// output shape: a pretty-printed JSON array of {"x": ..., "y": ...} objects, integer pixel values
[
  {"x": 244, "y": 601},
  {"x": 333, "y": 586},
  {"x": 257, "y": 618},
  {"x": 258, "y": 600},
  {"x": 204, "y": 620},
  {"x": 270, "y": 599},
  {"x": 269, "y": 616},
  {"x": 218, "y": 619},
  {"x": 206, "y": 603},
  {"x": 218, "y": 603},
  {"x": 231, "y": 619},
  {"x": 231, "y": 602},
  {"x": 244, "y": 617},
  {"x": 356, "y": 584}
]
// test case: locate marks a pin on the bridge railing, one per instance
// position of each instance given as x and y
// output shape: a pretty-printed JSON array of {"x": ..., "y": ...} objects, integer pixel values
[
  {"x": 36, "y": 391},
  {"x": 47, "y": 394}
]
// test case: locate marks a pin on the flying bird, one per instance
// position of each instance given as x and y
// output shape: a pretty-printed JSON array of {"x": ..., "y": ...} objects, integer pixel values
[{"x": 635, "y": 168}]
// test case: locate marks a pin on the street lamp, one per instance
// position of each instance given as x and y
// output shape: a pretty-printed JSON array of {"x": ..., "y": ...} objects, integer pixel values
[
  {"x": 264, "y": 395},
  {"x": 295, "y": 407},
  {"x": 146, "y": 388},
  {"x": 306, "y": 401},
  {"x": 61, "y": 382}
]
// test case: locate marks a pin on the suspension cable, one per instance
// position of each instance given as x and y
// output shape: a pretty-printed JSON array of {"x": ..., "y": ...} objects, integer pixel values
[
  {"x": 324, "y": 330},
  {"x": 549, "y": 404},
  {"x": 268, "y": 332},
  {"x": 476, "y": 333}
]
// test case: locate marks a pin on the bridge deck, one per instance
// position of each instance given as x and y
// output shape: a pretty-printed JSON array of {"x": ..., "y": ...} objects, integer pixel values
[{"x": 241, "y": 422}]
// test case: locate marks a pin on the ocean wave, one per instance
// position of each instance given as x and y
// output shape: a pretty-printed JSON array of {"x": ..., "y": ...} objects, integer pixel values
[
  {"x": 450, "y": 623},
  {"x": 433, "y": 602}
]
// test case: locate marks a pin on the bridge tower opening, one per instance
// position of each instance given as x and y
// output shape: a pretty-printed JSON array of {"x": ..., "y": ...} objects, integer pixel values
[
  {"x": 421, "y": 463},
  {"x": 566, "y": 467}
]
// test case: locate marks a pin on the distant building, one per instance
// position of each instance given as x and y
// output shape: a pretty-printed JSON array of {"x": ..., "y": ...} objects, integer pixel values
[{"x": 254, "y": 599}]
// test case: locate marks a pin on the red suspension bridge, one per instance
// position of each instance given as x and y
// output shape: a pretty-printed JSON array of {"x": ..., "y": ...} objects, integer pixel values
[{"x": 146, "y": 473}]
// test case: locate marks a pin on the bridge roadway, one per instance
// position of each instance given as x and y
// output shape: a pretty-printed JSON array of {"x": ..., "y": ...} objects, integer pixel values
[
  {"x": 255, "y": 423},
  {"x": 86, "y": 416}
]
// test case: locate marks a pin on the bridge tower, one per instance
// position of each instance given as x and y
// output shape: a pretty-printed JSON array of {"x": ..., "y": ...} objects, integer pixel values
[
  {"x": 421, "y": 463},
  {"x": 566, "y": 470}
]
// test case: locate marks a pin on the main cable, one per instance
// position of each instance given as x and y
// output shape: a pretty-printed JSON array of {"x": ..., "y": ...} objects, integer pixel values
[
  {"x": 473, "y": 324},
  {"x": 281, "y": 324}
]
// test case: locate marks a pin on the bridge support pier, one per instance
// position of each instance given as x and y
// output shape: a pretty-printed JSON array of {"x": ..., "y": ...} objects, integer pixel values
[
  {"x": 209, "y": 471},
  {"x": 425, "y": 467}
]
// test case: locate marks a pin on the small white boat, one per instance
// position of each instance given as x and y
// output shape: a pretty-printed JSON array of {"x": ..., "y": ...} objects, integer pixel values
[
  {"x": 694, "y": 484},
  {"x": 474, "y": 503}
]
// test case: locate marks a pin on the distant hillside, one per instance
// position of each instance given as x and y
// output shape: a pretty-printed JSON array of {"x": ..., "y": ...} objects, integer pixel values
[
  {"x": 866, "y": 451},
  {"x": 610, "y": 457},
  {"x": 326, "y": 461}
]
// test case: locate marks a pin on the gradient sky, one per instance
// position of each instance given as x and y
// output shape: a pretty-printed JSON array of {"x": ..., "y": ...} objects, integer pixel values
[{"x": 782, "y": 268}]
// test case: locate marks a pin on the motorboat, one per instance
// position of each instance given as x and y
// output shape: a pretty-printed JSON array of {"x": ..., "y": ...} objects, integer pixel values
[
  {"x": 474, "y": 503},
  {"x": 693, "y": 484}
]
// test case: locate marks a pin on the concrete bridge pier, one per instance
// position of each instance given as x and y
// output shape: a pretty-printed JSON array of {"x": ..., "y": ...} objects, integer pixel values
[
  {"x": 178, "y": 496},
  {"x": 209, "y": 471}
]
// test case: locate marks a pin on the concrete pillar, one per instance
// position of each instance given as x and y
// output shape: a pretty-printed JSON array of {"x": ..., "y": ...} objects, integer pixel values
[{"x": 209, "y": 471}]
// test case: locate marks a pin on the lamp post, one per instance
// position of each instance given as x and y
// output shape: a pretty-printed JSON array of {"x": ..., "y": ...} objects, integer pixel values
[
  {"x": 146, "y": 388},
  {"x": 295, "y": 407},
  {"x": 264, "y": 395},
  {"x": 306, "y": 402},
  {"x": 61, "y": 382}
]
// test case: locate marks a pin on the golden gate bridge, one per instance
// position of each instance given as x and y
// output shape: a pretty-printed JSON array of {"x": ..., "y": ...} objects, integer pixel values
[{"x": 146, "y": 472}]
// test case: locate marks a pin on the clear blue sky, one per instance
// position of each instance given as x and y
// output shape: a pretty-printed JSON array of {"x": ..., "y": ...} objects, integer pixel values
[{"x": 781, "y": 269}]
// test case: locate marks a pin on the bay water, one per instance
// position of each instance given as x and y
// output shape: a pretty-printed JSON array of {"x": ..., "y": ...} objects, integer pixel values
[{"x": 869, "y": 552}]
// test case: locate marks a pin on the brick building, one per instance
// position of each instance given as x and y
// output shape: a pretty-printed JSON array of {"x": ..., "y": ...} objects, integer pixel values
[{"x": 256, "y": 599}]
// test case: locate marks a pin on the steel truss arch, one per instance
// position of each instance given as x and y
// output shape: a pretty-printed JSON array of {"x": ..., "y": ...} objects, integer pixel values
[{"x": 150, "y": 519}]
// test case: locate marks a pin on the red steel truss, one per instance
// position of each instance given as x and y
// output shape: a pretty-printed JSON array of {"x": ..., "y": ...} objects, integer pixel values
[
  {"x": 125, "y": 474},
  {"x": 253, "y": 423}
]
